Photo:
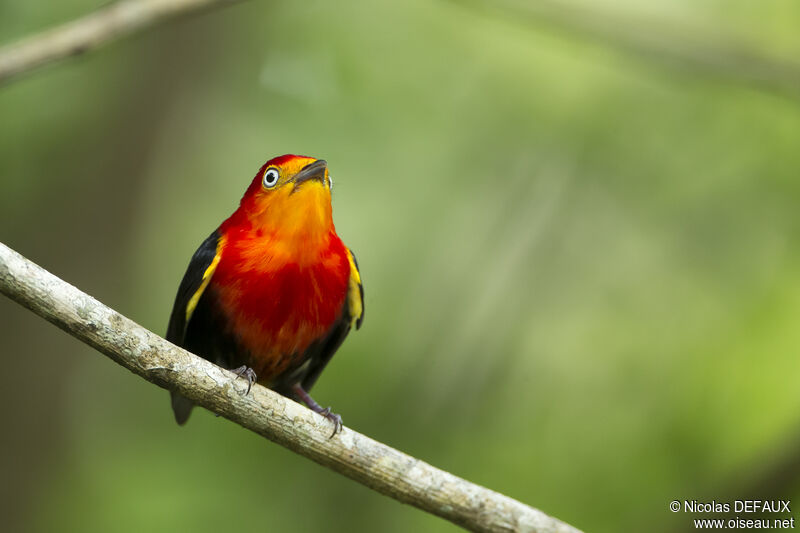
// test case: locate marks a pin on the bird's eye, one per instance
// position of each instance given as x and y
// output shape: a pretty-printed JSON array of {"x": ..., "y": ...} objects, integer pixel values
[{"x": 271, "y": 176}]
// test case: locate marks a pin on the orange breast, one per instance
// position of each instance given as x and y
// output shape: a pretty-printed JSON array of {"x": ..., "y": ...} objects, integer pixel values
[{"x": 277, "y": 301}]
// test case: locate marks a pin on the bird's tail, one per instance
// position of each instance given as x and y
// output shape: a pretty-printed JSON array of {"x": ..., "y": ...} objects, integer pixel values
[{"x": 181, "y": 406}]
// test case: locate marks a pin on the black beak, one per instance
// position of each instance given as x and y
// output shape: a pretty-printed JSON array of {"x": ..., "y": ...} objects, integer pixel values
[{"x": 312, "y": 171}]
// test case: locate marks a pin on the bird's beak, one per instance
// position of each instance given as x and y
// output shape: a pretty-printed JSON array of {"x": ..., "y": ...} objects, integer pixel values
[{"x": 312, "y": 171}]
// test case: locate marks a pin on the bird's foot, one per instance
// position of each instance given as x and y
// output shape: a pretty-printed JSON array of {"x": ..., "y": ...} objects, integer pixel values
[
  {"x": 247, "y": 373},
  {"x": 333, "y": 417},
  {"x": 314, "y": 406}
]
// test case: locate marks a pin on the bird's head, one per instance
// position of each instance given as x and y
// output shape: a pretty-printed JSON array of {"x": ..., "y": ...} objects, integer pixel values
[{"x": 290, "y": 194}]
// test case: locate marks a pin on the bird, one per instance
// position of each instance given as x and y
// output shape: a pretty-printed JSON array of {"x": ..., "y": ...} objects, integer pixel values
[{"x": 272, "y": 293}]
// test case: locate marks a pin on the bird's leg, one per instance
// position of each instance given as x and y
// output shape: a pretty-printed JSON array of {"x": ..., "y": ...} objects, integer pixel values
[
  {"x": 247, "y": 373},
  {"x": 314, "y": 406}
]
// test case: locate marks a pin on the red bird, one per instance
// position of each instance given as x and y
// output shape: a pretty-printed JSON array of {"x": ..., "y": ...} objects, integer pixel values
[{"x": 273, "y": 292}]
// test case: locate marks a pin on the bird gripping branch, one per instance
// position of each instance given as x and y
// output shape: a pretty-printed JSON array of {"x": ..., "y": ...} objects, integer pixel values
[{"x": 272, "y": 292}]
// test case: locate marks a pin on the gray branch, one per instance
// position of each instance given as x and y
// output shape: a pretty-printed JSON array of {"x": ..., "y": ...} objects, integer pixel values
[
  {"x": 110, "y": 22},
  {"x": 263, "y": 411},
  {"x": 693, "y": 48}
]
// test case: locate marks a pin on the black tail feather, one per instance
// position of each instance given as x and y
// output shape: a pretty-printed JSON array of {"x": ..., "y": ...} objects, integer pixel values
[{"x": 181, "y": 406}]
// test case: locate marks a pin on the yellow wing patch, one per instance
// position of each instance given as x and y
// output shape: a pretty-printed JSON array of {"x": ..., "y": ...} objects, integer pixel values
[
  {"x": 190, "y": 307},
  {"x": 355, "y": 294}
]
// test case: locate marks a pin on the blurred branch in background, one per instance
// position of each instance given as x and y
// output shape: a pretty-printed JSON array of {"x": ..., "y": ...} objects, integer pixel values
[
  {"x": 701, "y": 50},
  {"x": 263, "y": 411},
  {"x": 110, "y": 22}
]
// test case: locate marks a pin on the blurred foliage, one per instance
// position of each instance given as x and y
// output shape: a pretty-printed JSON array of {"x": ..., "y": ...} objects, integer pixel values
[{"x": 581, "y": 269}]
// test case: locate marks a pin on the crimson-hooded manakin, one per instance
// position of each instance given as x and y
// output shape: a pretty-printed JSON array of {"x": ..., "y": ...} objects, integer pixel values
[{"x": 272, "y": 292}]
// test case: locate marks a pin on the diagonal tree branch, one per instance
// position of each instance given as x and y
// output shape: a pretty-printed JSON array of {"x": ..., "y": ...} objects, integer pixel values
[
  {"x": 113, "y": 21},
  {"x": 263, "y": 411}
]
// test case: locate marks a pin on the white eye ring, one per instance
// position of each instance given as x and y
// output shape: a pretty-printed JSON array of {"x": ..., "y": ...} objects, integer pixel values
[{"x": 271, "y": 176}]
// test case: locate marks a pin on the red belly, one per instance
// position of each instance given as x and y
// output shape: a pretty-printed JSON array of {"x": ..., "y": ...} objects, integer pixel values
[{"x": 276, "y": 307}]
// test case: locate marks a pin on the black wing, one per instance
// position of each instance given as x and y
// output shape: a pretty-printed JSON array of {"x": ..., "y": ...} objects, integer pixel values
[
  {"x": 357, "y": 312},
  {"x": 194, "y": 282},
  {"x": 190, "y": 291}
]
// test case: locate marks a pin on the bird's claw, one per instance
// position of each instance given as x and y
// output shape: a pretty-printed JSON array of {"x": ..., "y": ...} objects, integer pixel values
[
  {"x": 247, "y": 373},
  {"x": 303, "y": 396},
  {"x": 333, "y": 417}
]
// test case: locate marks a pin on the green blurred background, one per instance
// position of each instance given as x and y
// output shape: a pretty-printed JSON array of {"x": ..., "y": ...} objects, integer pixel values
[{"x": 581, "y": 263}]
